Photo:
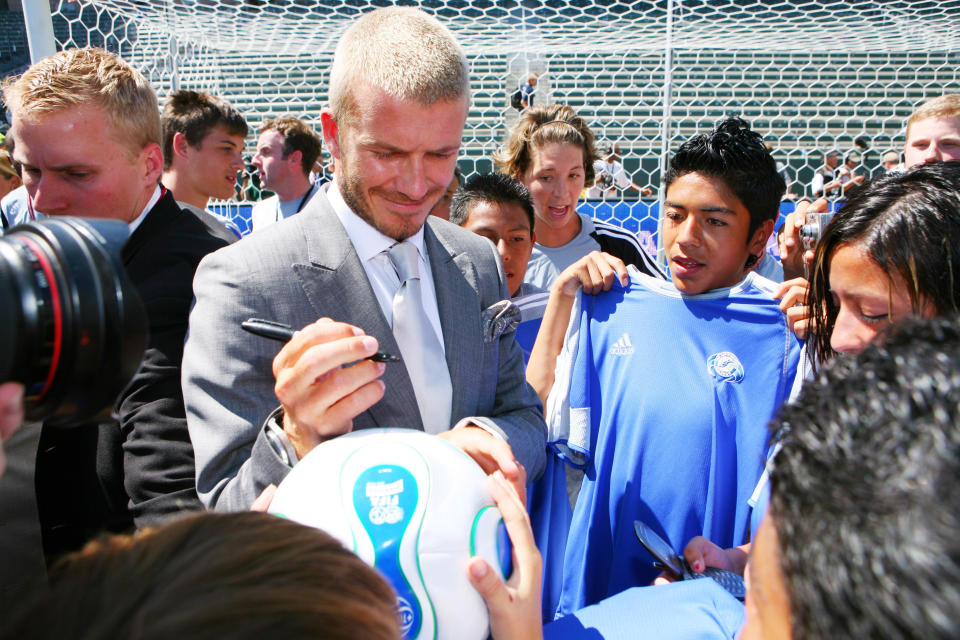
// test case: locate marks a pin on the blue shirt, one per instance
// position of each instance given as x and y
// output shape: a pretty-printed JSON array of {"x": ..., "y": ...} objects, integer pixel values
[{"x": 668, "y": 400}]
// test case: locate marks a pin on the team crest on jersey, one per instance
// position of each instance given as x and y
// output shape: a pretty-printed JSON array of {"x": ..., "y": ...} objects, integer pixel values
[
  {"x": 385, "y": 502},
  {"x": 725, "y": 366},
  {"x": 622, "y": 347}
]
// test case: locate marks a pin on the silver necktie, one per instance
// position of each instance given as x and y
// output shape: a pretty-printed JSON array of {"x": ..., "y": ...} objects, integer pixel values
[{"x": 422, "y": 352}]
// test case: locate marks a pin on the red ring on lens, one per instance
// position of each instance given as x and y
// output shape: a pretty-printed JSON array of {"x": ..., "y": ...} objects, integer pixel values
[{"x": 57, "y": 318}]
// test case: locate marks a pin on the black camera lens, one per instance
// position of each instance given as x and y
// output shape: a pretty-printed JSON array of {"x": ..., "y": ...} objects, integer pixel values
[{"x": 74, "y": 328}]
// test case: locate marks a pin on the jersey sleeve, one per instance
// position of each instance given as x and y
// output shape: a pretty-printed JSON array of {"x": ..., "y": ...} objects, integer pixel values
[{"x": 567, "y": 410}]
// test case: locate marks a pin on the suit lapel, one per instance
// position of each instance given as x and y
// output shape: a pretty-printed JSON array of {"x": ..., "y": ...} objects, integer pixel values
[
  {"x": 336, "y": 287},
  {"x": 456, "y": 283}
]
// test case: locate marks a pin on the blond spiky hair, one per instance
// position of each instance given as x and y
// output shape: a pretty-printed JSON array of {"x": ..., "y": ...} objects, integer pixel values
[
  {"x": 80, "y": 77},
  {"x": 402, "y": 51}
]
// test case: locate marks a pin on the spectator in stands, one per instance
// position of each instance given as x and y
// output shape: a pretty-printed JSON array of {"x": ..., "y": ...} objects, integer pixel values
[
  {"x": 933, "y": 131},
  {"x": 442, "y": 208},
  {"x": 861, "y": 537},
  {"x": 203, "y": 140},
  {"x": 528, "y": 90},
  {"x": 784, "y": 172},
  {"x": 890, "y": 162},
  {"x": 499, "y": 208},
  {"x": 851, "y": 174},
  {"x": 550, "y": 149},
  {"x": 825, "y": 183},
  {"x": 287, "y": 149},
  {"x": 241, "y": 575},
  {"x": 609, "y": 176},
  {"x": 9, "y": 176},
  {"x": 88, "y": 138},
  {"x": 627, "y": 385}
]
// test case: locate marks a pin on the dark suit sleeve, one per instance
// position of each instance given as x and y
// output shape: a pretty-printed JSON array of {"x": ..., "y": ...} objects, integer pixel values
[
  {"x": 158, "y": 456},
  {"x": 158, "y": 461}
]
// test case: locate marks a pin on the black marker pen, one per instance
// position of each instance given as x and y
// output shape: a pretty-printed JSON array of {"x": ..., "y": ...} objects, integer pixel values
[{"x": 283, "y": 333}]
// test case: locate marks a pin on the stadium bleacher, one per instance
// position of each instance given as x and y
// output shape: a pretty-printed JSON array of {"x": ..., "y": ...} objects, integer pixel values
[{"x": 803, "y": 102}]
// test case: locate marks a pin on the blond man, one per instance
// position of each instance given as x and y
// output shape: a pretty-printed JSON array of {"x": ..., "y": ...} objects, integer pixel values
[
  {"x": 933, "y": 131},
  {"x": 399, "y": 97},
  {"x": 88, "y": 138}
]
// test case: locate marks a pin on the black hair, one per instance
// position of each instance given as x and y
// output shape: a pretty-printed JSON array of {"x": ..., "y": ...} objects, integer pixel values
[
  {"x": 864, "y": 493},
  {"x": 490, "y": 187},
  {"x": 736, "y": 155},
  {"x": 194, "y": 114},
  {"x": 909, "y": 225}
]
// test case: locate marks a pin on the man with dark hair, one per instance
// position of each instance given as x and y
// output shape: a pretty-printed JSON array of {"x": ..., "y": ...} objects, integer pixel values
[
  {"x": 861, "y": 537},
  {"x": 286, "y": 151},
  {"x": 499, "y": 208},
  {"x": 825, "y": 182},
  {"x": 652, "y": 372},
  {"x": 203, "y": 140}
]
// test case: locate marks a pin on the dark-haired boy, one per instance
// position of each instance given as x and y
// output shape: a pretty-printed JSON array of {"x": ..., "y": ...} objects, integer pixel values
[
  {"x": 203, "y": 140},
  {"x": 659, "y": 410},
  {"x": 500, "y": 209}
]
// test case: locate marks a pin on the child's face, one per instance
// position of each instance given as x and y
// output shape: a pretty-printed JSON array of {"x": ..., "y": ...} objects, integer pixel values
[
  {"x": 507, "y": 226},
  {"x": 555, "y": 179},
  {"x": 705, "y": 234}
]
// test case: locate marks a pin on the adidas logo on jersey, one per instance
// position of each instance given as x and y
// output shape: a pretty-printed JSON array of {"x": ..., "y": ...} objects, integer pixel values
[{"x": 622, "y": 347}]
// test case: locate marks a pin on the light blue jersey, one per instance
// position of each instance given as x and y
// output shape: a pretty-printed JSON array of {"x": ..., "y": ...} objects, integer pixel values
[{"x": 663, "y": 399}]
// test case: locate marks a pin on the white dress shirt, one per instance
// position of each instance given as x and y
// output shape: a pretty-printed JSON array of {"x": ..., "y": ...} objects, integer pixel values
[{"x": 371, "y": 246}]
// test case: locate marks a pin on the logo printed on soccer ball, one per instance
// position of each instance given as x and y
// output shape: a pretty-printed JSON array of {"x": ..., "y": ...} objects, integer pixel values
[
  {"x": 406, "y": 614},
  {"x": 385, "y": 502},
  {"x": 725, "y": 366}
]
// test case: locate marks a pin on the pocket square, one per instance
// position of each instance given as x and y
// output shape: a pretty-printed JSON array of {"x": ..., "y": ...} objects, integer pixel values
[{"x": 499, "y": 318}]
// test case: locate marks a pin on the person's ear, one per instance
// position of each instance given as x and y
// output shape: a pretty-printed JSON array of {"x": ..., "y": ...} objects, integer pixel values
[
  {"x": 295, "y": 158},
  {"x": 152, "y": 163},
  {"x": 533, "y": 237},
  {"x": 331, "y": 133},
  {"x": 180, "y": 144},
  {"x": 758, "y": 242}
]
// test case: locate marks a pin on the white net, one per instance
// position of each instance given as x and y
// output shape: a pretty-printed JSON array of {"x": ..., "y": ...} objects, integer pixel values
[{"x": 809, "y": 75}]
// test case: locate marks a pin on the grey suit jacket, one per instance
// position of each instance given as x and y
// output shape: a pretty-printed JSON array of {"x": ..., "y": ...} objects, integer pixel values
[{"x": 305, "y": 268}]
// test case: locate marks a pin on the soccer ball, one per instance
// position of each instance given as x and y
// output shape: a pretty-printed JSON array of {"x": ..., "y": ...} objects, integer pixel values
[{"x": 413, "y": 506}]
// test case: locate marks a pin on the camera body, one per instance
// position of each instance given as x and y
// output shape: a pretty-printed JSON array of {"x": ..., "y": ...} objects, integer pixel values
[
  {"x": 812, "y": 231},
  {"x": 606, "y": 180},
  {"x": 76, "y": 329}
]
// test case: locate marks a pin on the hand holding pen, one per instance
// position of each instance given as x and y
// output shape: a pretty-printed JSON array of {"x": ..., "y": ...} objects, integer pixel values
[
  {"x": 283, "y": 333},
  {"x": 325, "y": 376}
]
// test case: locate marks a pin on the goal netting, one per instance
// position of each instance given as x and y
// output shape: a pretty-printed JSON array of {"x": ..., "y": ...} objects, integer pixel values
[{"x": 810, "y": 75}]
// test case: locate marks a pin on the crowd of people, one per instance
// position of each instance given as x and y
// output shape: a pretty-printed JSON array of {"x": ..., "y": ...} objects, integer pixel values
[{"x": 798, "y": 432}]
